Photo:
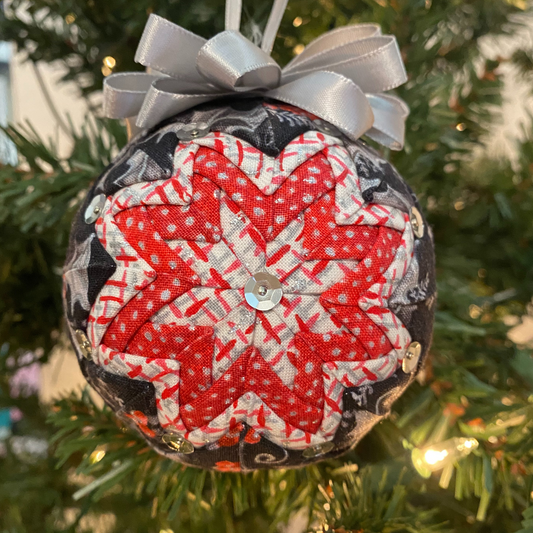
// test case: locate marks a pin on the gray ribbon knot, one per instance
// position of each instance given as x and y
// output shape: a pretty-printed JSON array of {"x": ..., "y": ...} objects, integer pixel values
[{"x": 339, "y": 77}]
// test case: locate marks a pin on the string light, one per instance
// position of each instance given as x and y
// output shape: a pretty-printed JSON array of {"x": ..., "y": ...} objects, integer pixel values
[
  {"x": 297, "y": 22},
  {"x": 109, "y": 63},
  {"x": 97, "y": 455},
  {"x": 70, "y": 18},
  {"x": 438, "y": 456},
  {"x": 298, "y": 49},
  {"x": 461, "y": 126},
  {"x": 475, "y": 311}
]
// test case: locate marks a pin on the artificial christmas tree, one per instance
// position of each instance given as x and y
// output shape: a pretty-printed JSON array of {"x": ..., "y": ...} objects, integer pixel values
[{"x": 475, "y": 388}]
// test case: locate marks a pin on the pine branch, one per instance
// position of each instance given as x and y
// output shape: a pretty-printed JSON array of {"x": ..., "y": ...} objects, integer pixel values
[
  {"x": 37, "y": 202},
  {"x": 478, "y": 383},
  {"x": 92, "y": 438},
  {"x": 51, "y": 190},
  {"x": 372, "y": 502}
]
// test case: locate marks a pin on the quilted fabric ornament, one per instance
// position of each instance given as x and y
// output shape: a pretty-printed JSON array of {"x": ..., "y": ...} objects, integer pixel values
[{"x": 249, "y": 286}]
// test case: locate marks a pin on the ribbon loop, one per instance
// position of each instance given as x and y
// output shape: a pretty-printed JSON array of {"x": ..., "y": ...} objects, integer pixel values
[
  {"x": 124, "y": 93},
  {"x": 374, "y": 63},
  {"x": 232, "y": 62},
  {"x": 167, "y": 97},
  {"x": 170, "y": 49},
  {"x": 333, "y": 39},
  {"x": 390, "y": 113},
  {"x": 333, "y": 98},
  {"x": 339, "y": 77}
]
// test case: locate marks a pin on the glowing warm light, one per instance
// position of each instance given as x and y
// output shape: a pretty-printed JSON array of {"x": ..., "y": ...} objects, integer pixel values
[
  {"x": 475, "y": 311},
  {"x": 298, "y": 49},
  {"x": 297, "y": 22},
  {"x": 70, "y": 18},
  {"x": 432, "y": 457},
  {"x": 97, "y": 456},
  {"x": 110, "y": 62},
  {"x": 461, "y": 126},
  {"x": 442, "y": 455}
]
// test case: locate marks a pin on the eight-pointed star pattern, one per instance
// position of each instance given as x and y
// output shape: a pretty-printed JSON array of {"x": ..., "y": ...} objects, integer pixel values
[{"x": 174, "y": 313}]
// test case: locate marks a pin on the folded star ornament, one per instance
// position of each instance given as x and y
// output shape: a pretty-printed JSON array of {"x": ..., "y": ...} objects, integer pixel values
[{"x": 249, "y": 284}]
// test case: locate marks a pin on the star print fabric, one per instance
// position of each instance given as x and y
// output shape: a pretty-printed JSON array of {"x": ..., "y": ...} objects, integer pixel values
[{"x": 176, "y": 347}]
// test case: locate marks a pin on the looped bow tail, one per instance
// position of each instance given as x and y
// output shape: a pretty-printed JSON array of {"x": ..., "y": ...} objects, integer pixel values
[{"x": 339, "y": 77}]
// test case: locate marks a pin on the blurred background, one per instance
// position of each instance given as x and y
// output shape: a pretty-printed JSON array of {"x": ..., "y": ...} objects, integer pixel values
[{"x": 469, "y": 158}]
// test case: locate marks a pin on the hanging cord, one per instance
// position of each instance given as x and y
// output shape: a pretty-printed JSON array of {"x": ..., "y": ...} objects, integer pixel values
[
  {"x": 233, "y": 14},
  {"x": 272, "y": 27},
  {"x": 233, "y": 21}
]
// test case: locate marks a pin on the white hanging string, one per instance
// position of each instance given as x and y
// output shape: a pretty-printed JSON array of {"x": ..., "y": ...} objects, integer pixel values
[
  {"x": 233, "y": 21},
  {"x": 274, "y": 21},
  {"x": 233, "y": 14}
]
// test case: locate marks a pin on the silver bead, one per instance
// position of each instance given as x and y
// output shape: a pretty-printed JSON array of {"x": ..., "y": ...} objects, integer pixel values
[
  {"x": 177, "y": 443},
  {"x": 412, "y": 355},
  {"x": 318, "y": 449},
  {"x": 417, "y": 222},
  {"x": 84, "y": 345},
  {"x": 263, "y": 291},
  {"x": 95, "y": 209},
  {"x": 326, "y": 127},
  {"x": 192, "y": 131}
]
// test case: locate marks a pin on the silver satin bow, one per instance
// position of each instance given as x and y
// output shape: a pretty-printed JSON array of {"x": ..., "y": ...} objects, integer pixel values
[{"x": 339, "y": 77}]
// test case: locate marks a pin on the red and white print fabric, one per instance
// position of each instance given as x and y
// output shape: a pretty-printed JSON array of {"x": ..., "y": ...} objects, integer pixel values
[{"x": 174, "y": 312}]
